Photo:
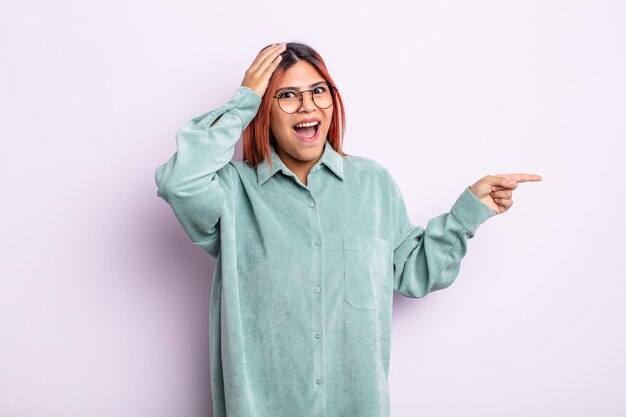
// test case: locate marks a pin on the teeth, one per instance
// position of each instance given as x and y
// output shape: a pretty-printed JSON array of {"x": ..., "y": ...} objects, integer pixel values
[{"x": 306, "y": 124}]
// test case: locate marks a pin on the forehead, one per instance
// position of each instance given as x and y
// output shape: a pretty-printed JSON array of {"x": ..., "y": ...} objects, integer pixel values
[{"x": 300, "y": 75}]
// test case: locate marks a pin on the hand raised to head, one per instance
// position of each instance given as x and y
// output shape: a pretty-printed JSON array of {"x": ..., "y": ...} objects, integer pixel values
[{"x": 257, "y": 76}]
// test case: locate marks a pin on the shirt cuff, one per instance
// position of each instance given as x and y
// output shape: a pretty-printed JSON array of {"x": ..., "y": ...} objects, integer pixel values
[
  {"x": 470, "y": 211},
  {"x": 245, "y": 104}
]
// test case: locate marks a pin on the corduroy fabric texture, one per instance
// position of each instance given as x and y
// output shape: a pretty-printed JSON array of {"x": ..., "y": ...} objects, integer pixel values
[{"x": 301, "y": 298}]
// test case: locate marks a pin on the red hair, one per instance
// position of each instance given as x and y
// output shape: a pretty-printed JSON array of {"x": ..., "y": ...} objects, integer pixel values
[{"x": 256, "y": 136}]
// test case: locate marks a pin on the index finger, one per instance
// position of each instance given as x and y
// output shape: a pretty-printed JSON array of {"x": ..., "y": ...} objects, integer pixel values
[{"x": 522, "y": 177}]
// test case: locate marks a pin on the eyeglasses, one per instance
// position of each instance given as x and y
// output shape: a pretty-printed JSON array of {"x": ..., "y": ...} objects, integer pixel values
[{"x": 290, "y": 101}]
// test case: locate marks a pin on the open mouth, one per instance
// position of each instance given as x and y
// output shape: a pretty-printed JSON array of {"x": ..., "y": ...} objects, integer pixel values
[{"x": 307, "y": 132}]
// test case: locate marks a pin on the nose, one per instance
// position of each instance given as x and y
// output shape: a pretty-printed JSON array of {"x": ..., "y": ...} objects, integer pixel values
[{"x": 307, "y": 102}]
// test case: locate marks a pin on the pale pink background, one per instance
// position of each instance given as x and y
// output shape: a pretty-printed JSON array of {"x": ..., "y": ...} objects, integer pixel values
[{"x": 104, "y": 300}]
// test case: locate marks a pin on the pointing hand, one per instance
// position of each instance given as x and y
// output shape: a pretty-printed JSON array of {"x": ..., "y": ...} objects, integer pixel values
[{"x": 496, "y": 191}]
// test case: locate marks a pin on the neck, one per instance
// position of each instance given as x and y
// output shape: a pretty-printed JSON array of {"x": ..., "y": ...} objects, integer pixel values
[{"x": 300, "y": 168}]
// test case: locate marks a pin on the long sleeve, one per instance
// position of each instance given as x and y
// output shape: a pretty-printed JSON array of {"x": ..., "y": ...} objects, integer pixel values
[
  {"x": 427, "y": 260},
  {"x": 198, "y": 176}
]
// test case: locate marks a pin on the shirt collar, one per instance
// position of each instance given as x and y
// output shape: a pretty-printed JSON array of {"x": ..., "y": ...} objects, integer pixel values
[{"x": 330, "y": 158}]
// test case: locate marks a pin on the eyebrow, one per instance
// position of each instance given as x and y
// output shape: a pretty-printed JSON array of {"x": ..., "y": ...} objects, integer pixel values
[{"x": 295, "y": 88}]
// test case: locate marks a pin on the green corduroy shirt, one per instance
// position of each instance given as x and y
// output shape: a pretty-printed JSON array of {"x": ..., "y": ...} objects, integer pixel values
[{"x": 301, "y": 298}]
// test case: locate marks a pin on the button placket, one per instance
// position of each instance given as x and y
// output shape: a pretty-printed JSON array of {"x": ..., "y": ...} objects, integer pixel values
[{"x": 318, "y": 284}]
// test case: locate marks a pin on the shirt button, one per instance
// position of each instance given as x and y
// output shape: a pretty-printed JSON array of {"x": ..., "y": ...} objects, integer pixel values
[
  {"x": 318, "y": 381},
  {"x": 317, "y": 243},
  {"x": 318, "y": 335},
  {"x": 317, "y": 289},
  {"x": 311, "y": 204},
  {"x": 241, "y": 92}
]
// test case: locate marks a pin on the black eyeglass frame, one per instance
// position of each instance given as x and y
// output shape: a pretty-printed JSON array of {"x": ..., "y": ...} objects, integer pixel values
[{"x": 330, "y": 86}]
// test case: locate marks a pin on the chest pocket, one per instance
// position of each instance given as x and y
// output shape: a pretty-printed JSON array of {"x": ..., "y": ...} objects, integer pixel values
[{"x": 367, "y": 264}]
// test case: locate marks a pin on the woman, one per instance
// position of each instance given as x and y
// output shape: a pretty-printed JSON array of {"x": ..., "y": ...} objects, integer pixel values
[{"x": 310, "y": 244}]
